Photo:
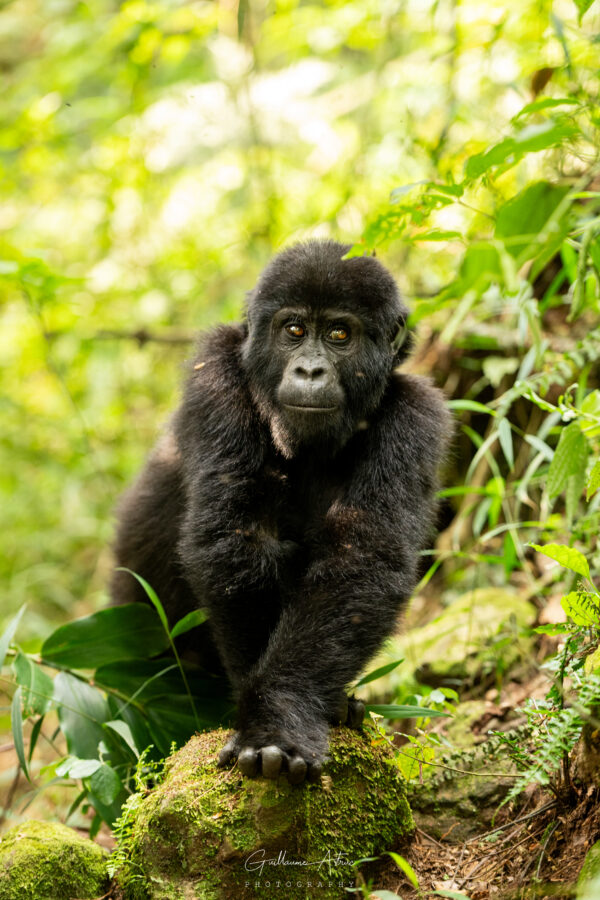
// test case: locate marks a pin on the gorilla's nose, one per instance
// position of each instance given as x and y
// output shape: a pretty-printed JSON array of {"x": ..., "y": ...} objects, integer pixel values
[{"x": 310, "y": 372}]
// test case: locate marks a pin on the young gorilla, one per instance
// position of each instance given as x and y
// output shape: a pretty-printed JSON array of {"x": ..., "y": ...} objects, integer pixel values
[{"x": 291, "y": 497}]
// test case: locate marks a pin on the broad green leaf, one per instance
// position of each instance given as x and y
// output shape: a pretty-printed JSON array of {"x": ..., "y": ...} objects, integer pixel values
[
  {"x": 81, "y": 710},
  {"x": 581, "y": 608},
  {"x": 8, "y": 634},
  {"x": 594, "y": 480},
  {"x": 531, "y": 139},
  {"x": 106, "y": 784},
  {"x": 568, "y": 557},
  {"x": 192, "y": 620},
  {"x": 521, "y": 219},
  {"x": 124, "y": 732},
  {"x": 111, "y": 635},
  {"x": 379, "y": 673},
  {"x": 569, "y": 458},
  {"x": 38, "y": 687},
  {"x": 391, "y": 711},
  {"x": 16, "y": 724},
  {"x": 406, "y": 868},
  {"x": 73, "y": 767}
]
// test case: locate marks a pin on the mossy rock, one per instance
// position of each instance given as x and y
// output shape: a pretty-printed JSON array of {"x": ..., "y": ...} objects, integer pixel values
[
  {"x": 48, "y": 861},
  {"x": 588, "y": 884},
  {"x": 208, "y": 834}
]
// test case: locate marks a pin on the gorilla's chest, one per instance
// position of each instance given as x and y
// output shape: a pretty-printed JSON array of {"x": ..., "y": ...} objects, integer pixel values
[{"x": 298, "y": 498}]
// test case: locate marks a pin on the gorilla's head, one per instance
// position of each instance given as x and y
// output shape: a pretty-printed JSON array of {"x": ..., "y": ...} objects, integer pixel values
[{"x": 324, "y": 334}]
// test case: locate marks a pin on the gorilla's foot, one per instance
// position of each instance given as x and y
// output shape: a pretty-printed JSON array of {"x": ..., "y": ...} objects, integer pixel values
[{"x": 351, "y": 713}]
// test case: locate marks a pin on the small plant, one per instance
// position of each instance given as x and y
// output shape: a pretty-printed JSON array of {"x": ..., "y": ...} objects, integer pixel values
[
  {"x": 122, "y": 695},
  {"x": 555, "y": 724}
]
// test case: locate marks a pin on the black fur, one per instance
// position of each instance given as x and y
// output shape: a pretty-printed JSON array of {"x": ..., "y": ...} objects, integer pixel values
[{"x": 298, "y": 529}]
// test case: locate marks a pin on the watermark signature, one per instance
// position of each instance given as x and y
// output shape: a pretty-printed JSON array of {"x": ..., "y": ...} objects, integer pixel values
[{"x": 258, "y": 861}]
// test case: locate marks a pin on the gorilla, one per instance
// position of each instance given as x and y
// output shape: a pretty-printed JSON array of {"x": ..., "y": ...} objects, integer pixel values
[{"x": 290, "y": 497}]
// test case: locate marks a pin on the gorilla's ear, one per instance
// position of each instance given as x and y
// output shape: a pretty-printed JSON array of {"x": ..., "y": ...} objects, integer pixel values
[{"x": 402, "y": 340}]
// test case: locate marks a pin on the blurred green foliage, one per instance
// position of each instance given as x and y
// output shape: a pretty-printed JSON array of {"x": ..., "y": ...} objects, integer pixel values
[{"x": 154, "y": 154}]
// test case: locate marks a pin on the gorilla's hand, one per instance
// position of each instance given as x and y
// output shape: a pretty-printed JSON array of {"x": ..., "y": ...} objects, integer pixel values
[{"x": 273, "y": 751}]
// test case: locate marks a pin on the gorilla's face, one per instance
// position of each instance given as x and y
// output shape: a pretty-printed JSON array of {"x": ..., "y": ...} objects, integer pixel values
[{"x": 319, "y": 349}]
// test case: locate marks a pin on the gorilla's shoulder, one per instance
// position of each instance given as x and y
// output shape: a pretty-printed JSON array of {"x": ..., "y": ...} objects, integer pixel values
[
  {"x": 413, "y": 402},
  {"x": 216, "y": 384},
  {"x": 221, "y": 345}
]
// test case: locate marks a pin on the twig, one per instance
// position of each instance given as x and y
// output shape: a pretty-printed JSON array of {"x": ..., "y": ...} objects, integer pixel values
[
  {"x": 428, "y": 837},
  {"x": 531, "y": 815}
]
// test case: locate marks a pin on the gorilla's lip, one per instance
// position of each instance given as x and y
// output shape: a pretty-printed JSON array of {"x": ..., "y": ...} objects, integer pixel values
[{"x": 303, "y": 408}]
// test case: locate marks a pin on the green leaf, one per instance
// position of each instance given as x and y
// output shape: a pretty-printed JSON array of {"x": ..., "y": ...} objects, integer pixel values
[
  {"x": 552, "y": 629},
  {"x": 436, "y": 235},
  {"x": 594, "y": 480},
  {"x": 81, "y": 711},
  {"x": 192, "y": 620},
  {"x": 73, "y": 767},
  {"x": 106, "y": 784},
  {"x": 391, "y": 711},
  {"x": 580, "y": 606},
  {"x": 574, "y": 493},
  {"x": 406, "y": 868},
  {"x": 568, "y": 557},
  {"x": 505, "y": 438},
  {"x": 35, "y": 733},
  {"x": 472, "y": 406},
  {"x": 545, "y": 103},
  {"x": 124, "y": 732},
  {"x": 569, "y": 458},
  {"x": 152, "y": 596},
  {"x": 531, "y": 139},
  {"x": 379, "y": 673},
  {"x": 38, "y": 687},
  {"x": 111, "y": 635},
  {"x": 521, "y": 219},
  {"x": 16, "y": 723},
  {"x": 582, "y": 7},
  {"x": 8, "y": 634}
]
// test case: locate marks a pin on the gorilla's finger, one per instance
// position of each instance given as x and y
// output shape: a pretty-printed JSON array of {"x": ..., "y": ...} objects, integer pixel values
[
  {"x": 356, "y": 713},
  {"x": 342, "y": 713},
  {"x": 296, "y": 770},
  {"x": 228, "y": 753},
  {"x": 272, "y": 759},
  {"x": 314, "y": 772},
  {"x": 248, "y": 762}
]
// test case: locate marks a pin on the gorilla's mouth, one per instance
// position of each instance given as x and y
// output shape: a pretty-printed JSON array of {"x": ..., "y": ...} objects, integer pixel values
[{"x": 315, "y": 409}]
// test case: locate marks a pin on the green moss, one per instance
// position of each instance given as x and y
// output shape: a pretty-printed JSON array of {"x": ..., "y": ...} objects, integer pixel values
[
  {"x": 47, "y": 861},
  {"x": 204, "y": 832}
]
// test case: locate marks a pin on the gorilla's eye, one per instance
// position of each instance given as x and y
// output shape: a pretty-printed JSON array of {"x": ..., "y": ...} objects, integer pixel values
[
  {"x": 295, "y": 330},
  {"x": 338, "y": 333}
]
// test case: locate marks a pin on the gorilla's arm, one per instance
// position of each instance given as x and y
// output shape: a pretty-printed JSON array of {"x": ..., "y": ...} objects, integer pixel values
[
  {"x": 348, "y": 601},
  {"x": 229, "y": 557}
]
